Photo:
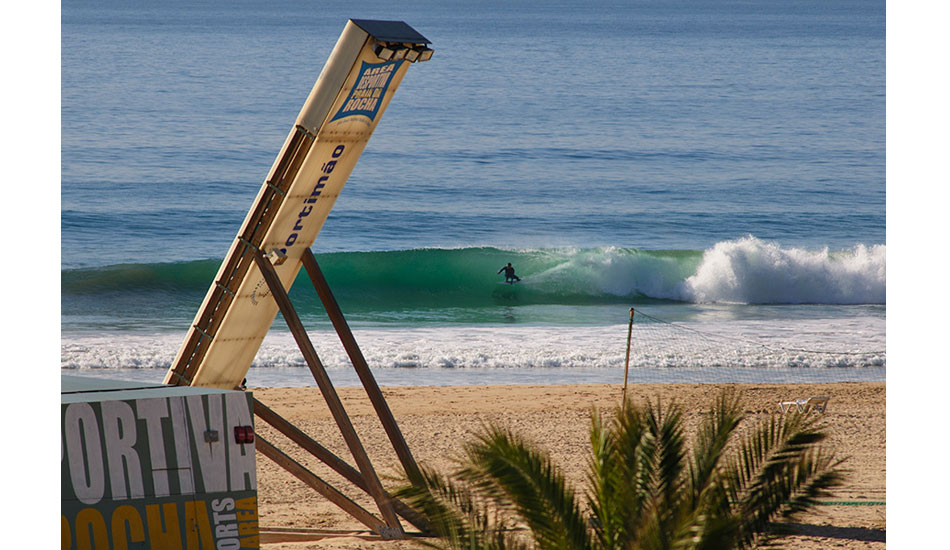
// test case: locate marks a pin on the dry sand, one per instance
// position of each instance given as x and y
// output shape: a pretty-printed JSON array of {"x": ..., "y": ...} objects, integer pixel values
[{"x": 437, "y": 420}]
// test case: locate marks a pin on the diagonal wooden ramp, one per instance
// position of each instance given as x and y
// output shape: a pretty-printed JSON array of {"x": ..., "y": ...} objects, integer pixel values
[{"x": 356, "y": 85}]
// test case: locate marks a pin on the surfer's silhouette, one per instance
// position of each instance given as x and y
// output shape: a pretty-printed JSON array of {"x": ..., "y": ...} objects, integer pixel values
[{"x": 510, "y": 276}]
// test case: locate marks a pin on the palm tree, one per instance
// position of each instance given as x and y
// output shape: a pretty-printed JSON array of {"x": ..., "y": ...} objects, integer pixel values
[{"x": 646, "y": 488}]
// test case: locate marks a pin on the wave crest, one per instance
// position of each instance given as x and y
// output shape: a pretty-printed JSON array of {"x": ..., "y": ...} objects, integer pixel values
[
  {"x": 742, "y": 271},
  {"x": 752, "y": 271}
]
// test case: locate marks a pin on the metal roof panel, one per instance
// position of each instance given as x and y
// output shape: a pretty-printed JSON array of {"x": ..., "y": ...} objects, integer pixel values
[{"x": 391, "y": 31}]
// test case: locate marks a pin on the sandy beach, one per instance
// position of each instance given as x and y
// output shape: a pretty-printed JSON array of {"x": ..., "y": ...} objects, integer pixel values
[{"x": 435, "y": 422}]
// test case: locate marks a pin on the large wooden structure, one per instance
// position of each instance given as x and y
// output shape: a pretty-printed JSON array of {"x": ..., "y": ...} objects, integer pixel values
[
  {"x": 353, "y": 90},
  {"x": 364, "y": 476},
  {"x": 333, "y": 127}
]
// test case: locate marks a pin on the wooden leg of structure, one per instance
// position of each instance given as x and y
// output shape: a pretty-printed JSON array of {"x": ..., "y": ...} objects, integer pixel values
[
  {"x": 373, "y": 485},
  {"x": 322, "y": 487},
  {"x": 362, "y": 368},
  {"x": 338, "y": 465}
]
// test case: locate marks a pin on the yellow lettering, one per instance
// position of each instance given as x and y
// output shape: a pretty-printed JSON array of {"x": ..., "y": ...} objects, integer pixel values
[
  {"x": 123, "y": 515},
  {"x": 89, "y": 520},
  {"x": 163, "y": 534},
  {"x": 65, "y": 534},
  {"x": 249, "y": 503},
  {"x": 197, "y": 525},
  {"x": 251, "y": 542},
  {"x": 247, "y": 528}
]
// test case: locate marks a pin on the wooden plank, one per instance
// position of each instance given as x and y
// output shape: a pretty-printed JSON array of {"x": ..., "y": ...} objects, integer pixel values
[
  {"x": 328, "y": 491},
  {"x": 362, "y": 368},
  {"x": 291, "y": 207},
  {"x": 296, "y": 435},
  {"x": 374, "y": 487},
  {"x": 239, "y": 261},
  {"x": 338, "y": 465}
]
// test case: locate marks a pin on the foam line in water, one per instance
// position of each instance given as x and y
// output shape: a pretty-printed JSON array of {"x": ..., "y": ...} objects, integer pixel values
[{"x": 740, "y": 344}]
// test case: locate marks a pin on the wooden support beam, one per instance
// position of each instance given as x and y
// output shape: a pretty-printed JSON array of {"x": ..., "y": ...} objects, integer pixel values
[
  {"x": 297, "y": 435},
  {"x": 322, "y": 487},
  {"x": 362, "y": 368},
  {"x": 373, "y": 485},
  {"x": 326, "y": 456}
]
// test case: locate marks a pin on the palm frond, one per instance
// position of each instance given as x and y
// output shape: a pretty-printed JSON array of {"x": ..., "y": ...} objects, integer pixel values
[
  {"x": 663, "y": 456},
  {"x": 713, "y": 436},
  {"x": 629, "y": 432},
  {"x": 609, "y": 498},
  {"x": 705, "y": 520},
  {"x": 636, "y": 476},
  {"x": 458, "y": 516},
  {"x": 517, "y": 477},
  {"x": 779, "y": 470}
]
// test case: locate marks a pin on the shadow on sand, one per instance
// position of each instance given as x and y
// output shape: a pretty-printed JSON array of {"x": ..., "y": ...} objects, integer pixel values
[{"x": 832, "y": 532}]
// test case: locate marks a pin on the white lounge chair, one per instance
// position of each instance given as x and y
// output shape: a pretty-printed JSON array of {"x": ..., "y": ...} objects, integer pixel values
[{"x": 804, "y": 405}]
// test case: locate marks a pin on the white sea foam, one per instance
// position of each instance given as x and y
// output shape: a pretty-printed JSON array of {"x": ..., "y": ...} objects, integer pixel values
[
  {"x": 756, "y": 272},
  {"x": 849, "y": 342}
]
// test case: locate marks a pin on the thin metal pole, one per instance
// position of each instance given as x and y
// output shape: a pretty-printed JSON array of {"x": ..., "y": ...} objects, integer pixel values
[{"x": 626, "y": 366}]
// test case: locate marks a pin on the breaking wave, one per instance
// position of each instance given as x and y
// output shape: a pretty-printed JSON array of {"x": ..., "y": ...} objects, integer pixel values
[{"x": 745, "y": 270}]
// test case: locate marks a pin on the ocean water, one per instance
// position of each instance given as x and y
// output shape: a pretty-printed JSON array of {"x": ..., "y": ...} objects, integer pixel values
[{"x": 719, "y": 166}]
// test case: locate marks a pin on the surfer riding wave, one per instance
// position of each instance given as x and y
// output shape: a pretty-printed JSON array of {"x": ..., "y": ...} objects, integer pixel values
[{"x": 510, "y": 276}]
